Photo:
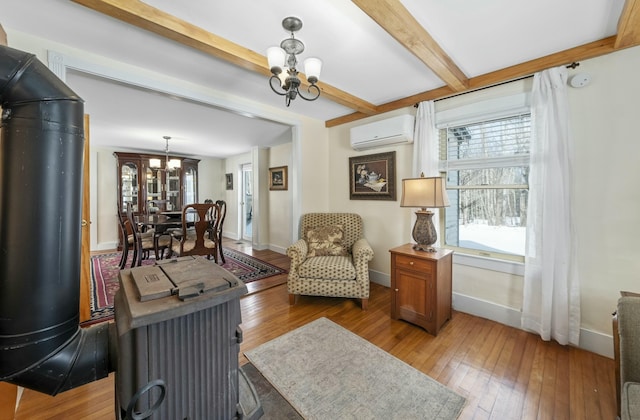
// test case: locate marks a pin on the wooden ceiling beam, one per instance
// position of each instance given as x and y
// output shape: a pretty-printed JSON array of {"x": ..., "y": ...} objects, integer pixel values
[
  {"x": 629, "y": 25},
  {"x": 583, "y": 52},
  {"x": 394, "y": 18},
  {"x": 141, "y": 15}
]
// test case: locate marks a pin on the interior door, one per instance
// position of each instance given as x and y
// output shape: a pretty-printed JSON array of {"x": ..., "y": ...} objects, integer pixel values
[
  {"x": 85, "y": 252},
  {"x": 246, "y": 212}
]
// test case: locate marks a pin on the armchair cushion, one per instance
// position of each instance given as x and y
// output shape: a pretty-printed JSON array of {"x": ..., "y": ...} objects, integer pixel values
[
  {"x": 326, "y": 240},
  {"x": 328, "y": 268}
]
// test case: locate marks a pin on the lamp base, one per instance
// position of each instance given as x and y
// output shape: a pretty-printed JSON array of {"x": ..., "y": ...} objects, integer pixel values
[
  {"x": 424, "y": 232},
  {"x": 426, "y": 248}
]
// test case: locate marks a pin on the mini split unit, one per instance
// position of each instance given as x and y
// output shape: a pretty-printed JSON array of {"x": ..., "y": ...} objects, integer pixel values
[{"x": 395, "y": 130}]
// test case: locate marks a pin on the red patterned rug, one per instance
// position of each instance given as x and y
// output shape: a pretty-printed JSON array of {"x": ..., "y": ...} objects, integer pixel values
[{"x": 104, "y": 275}]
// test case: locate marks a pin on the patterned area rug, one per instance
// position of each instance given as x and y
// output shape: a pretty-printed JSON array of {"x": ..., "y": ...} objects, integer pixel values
[
  {"x": 328, "y": 372},
  {"x": 104, "y": 275}
]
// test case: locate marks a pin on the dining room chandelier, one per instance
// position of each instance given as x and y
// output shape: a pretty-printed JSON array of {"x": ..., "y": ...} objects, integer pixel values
[
  {"x": 170, "y": 164},
  {"x": 283, "y": 61}
]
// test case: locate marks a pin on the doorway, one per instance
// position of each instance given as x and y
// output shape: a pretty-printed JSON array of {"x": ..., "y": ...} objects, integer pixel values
[{"x": 246, "y": 210}]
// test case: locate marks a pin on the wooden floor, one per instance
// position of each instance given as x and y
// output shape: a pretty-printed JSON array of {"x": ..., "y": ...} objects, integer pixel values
[{"x": 503, "y": 372}]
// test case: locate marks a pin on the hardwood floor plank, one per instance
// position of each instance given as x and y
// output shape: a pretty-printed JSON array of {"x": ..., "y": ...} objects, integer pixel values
[
  {"x": 547, "y": 396},
  {"x": 504, "y": 373},
  {"x": 561, "y": 402},
  {"x": 514, "y": 405},
  {"x": 576, "y": 387}
]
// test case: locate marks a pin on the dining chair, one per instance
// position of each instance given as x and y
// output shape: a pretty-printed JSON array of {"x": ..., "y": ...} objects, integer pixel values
[
  {"x": 127, "y": 238},
  {"x": 144, "y": 242},
  {"x": 223, "y": 213},
  {"x": 198, "y": 220},
  {"x": 210, "y": 218},
  {"x": 156, "y": 207}
]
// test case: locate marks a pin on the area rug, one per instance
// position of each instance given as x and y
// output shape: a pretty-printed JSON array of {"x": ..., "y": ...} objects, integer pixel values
[
  {"x": 274, "y": 405},
  {"x": 104, "y": 276},
  {"x": 327, "y": 372}
]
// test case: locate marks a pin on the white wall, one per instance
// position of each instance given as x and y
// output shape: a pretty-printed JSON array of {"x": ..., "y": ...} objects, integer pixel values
[
  {"x": 104, "y": 184},
  {"x": 386, "y": 225},
  {"x": 605, "y": 117},
  {"x": 211, "y": 179},
  {"x": 315, "y": 169},
  {"x": 280, "y": 202},
  {"x": 604, "y": 120}
]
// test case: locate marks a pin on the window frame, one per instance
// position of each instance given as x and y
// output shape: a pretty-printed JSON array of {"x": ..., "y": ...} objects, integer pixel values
[{"x": 471, "y": 256}]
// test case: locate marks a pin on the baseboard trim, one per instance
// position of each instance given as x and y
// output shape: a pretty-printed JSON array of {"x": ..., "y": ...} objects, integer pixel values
[
  {"x": 592, "y": 341},
  {"x": 380, "y": 278},
  {"x": 278, "y": 249},
  {"x": 105, "y": 246}
]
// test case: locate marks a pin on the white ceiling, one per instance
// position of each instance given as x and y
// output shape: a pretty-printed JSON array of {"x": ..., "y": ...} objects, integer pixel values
[{"x": 359, "y": 57}]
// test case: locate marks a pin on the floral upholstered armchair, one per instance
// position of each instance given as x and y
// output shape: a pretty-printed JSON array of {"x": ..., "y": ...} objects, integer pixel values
[{"x": 331, "y": 258}]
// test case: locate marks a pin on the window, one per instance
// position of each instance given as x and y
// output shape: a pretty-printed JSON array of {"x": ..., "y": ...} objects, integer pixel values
[{"x": 486, "y": 165}]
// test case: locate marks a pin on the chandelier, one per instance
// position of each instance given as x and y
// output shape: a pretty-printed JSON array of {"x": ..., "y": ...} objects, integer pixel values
[
  {"x": 170, "y": 164},
  {"x": 282, "y": 62}
]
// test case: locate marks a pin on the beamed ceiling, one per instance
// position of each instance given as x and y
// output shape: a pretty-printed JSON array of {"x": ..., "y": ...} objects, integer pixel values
[{"x": 379, "y": 55}]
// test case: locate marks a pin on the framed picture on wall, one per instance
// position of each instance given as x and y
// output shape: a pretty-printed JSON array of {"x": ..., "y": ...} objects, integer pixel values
[
  {"x": 373, "y": 177},
  {"x": 278, "y": 178},
  {"x": 229, "y": 178}
]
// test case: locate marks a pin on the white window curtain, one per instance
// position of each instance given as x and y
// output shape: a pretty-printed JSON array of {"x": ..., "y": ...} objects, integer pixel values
[
  {"x": 551, "y": 305},
  {"x": 425, "y": 149},
  {"x": 425, "y": 141}
]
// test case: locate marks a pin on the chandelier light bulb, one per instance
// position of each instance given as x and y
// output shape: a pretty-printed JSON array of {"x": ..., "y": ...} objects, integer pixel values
[
  {"x": 275, "y": 58},
  {"x": 312, "y": 68}
]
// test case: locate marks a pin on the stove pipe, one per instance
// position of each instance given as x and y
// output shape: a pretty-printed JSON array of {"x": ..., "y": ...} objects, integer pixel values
[{"x": 42, "y": 346}]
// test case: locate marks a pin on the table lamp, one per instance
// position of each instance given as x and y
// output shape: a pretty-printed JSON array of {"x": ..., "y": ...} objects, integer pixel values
[{"x": 424, "y": 192}]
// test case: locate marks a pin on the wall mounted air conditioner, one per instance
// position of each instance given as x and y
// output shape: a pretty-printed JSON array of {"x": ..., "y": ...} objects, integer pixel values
[{"x": 395, "y": 130}]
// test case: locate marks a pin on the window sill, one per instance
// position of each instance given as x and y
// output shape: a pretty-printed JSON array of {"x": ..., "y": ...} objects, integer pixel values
[{"x": 503, "y": 266}]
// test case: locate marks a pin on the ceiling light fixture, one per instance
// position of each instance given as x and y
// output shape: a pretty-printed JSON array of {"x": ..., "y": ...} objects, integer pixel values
[
  {"x": 170, "y": 164},
  {"x": 285, "y": 81}
]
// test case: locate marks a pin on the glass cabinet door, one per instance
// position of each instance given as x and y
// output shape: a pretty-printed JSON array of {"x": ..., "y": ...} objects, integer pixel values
[
  {"x": 173, "y": 190},
  {"x": 129, "y": 185},
  {"x": 190, "y": 182},
  {"x": 154, "y": 185}
]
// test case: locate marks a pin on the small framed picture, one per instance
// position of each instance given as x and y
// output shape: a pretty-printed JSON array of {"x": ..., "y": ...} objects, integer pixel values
[
  {"x": 373, "y": 177},
  {"x": 229, "y": 178},
  {"x": 278, "y": 178}
]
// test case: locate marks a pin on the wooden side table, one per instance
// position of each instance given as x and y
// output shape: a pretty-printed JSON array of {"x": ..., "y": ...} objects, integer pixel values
[{"x": 421, "y": 286}]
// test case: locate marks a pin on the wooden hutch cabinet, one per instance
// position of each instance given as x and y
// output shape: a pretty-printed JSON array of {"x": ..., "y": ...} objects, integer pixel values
[
  {"x": 138, "y": 182},
  {"x": 421, "y": 286}
]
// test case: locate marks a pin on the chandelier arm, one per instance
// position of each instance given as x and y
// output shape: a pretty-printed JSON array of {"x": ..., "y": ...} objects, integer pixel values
[
  {"x": 311, "y": 98},
  {"x": 271, "y": 79}
]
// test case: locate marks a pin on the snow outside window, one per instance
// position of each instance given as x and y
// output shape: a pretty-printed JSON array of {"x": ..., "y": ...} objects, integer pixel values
[{"x": 486, "y": 165}]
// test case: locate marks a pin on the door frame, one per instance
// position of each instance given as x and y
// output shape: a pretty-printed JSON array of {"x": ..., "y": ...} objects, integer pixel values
[
  {"x": 246, "y": 170},
  {"x": 85, "y": 249}
]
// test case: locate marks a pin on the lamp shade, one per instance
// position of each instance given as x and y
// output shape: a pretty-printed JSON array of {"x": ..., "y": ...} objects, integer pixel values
[
  {"x": 155, "y": 163},
  {"x": 424, "y": 192},
  {"x": 312, "y": 68},
  {"x": 275, "y": 58}
]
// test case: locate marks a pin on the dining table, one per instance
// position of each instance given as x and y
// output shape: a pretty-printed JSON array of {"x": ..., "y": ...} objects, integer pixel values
[
  {"x": 177, "y": 214},
  {"x": 162, "y": 221}
]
